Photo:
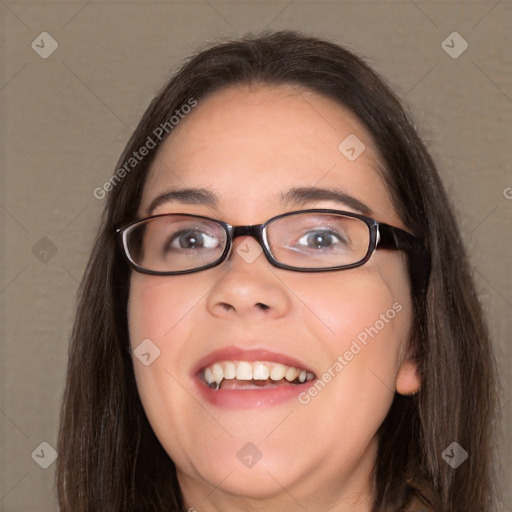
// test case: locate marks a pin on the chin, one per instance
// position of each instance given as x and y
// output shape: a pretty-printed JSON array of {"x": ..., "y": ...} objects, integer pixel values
[{"x": 244, "y": 474}]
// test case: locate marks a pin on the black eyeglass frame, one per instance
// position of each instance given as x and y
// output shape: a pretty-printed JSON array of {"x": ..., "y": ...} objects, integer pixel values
[{"x": 382, "y": 236}]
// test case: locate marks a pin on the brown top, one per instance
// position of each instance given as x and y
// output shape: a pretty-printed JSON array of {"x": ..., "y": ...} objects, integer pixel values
[{"x": 416, "y": 504}]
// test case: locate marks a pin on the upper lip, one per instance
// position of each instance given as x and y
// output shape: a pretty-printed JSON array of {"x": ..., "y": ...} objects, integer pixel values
[{"x": 239, "y": 354}]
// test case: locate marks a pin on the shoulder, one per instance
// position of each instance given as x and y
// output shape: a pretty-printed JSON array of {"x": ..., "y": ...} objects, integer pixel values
[{"x": 416, "y": 504}]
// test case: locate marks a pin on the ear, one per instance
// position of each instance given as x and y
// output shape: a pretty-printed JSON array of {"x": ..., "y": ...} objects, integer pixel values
[{"x": 408, "y": 378}]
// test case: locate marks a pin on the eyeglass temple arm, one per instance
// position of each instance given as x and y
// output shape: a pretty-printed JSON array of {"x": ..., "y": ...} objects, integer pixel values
[{"x": 419, "y": 261}]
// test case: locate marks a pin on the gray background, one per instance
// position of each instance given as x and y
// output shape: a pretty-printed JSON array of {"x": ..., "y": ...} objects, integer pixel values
[{"x": 65, "y": 120}]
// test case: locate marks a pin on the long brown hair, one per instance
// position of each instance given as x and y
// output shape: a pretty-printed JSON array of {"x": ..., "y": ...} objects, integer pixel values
[{"x": 109, "y": 458}]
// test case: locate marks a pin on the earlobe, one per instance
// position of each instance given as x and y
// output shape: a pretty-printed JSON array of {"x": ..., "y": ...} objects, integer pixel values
[{"x": 408, "y": 378}]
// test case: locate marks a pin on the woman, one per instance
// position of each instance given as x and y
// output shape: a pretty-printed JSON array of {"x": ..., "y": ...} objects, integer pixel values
[{"x": 278, "y": 312}]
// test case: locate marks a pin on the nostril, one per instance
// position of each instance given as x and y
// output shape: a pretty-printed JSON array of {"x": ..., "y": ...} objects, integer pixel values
[
  {"x": 226, "y": 306},
  {"x": 262, "y": 306}
]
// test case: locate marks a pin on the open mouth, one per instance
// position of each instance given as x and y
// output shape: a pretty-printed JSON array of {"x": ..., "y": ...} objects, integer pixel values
[{"x": 252, "y": 375}]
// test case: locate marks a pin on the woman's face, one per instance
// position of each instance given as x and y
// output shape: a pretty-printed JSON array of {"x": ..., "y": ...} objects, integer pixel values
[{"x": 272, "y": 441}]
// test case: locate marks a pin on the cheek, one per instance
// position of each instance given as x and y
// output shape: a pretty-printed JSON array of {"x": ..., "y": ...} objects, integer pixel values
[
  {"x": 160, "y": 310},
  {"x": 362, "y": 319},
  {"x": 157, "y": 305},
  {"x": 364, "y": 304},
  {"x": 159, "y": 318}
]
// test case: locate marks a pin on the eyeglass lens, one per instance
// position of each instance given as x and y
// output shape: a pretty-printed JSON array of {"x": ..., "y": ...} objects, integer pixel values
[{"x": 174, "y": 243}]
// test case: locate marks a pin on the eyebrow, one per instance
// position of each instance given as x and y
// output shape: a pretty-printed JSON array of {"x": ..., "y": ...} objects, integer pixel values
[
  {"x": 185, "y": 196},
  {"x": 299, "y": 196},
  {"x": 303, "y": 195}
]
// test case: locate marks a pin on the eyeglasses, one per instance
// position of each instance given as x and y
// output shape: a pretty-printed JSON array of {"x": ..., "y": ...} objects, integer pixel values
[{"x": 316, "y": 240}]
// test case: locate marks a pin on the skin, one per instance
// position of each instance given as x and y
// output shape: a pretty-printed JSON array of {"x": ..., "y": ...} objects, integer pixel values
[{"x": 249, "y": 144}]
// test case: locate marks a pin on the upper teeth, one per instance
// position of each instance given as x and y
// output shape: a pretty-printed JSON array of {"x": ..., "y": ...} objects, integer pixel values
[{"x": 254, "y": 370}]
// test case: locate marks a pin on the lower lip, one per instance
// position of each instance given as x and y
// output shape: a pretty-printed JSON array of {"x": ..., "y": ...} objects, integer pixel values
[{"x": 251, "y": 398}]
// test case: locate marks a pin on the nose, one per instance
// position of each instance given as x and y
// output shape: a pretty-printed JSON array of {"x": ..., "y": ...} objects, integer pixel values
[{"x": 250, "y": 288}]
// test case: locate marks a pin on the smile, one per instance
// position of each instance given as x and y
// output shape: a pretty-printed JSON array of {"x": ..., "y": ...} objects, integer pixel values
[
  {"x": 252, "y": 375},
  {"x": 241, "y": 378}
]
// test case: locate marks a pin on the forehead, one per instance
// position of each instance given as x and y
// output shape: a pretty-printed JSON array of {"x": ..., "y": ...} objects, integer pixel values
[{"x": 250, "y": 144}]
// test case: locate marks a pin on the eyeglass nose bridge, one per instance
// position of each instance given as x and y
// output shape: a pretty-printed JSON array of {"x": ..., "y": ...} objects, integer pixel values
[{"x": 255, "y": 231}]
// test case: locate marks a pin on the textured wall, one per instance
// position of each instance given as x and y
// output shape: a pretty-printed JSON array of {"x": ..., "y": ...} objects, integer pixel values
[{"x": 66, "y": 118}]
